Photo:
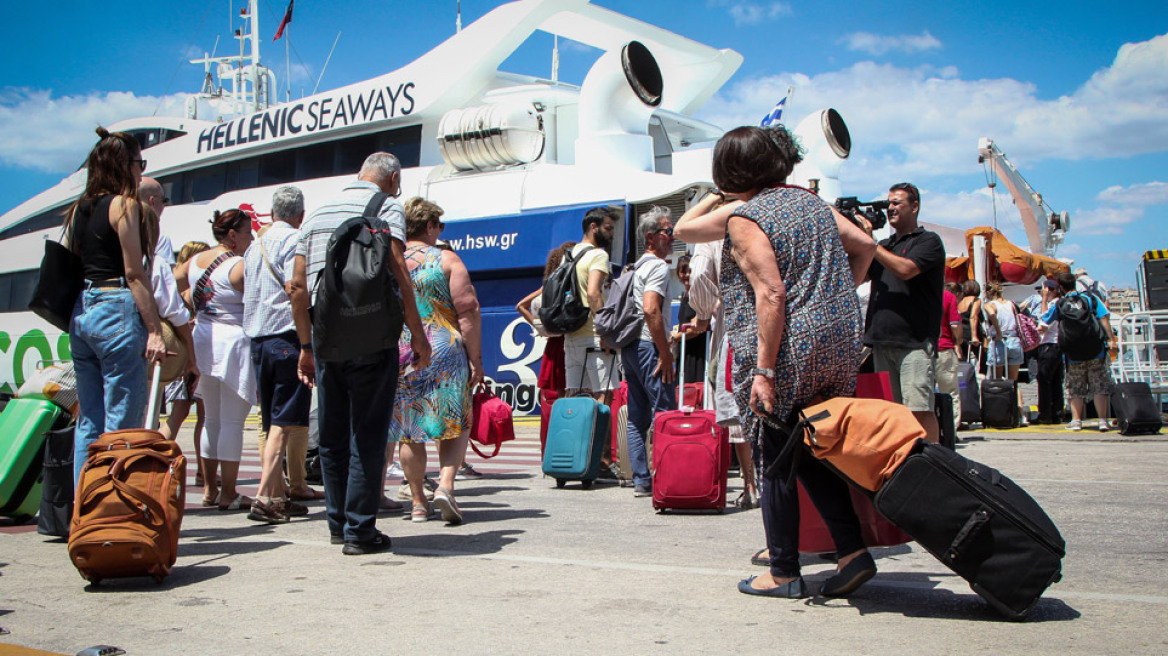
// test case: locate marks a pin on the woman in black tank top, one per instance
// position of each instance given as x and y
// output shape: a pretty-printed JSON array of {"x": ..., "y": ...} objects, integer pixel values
[{"x": 115, "y": 331}]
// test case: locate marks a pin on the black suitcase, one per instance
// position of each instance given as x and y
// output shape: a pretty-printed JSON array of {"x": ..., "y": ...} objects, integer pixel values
[
  {"x": 943, "y": 407},
  {"x": 999, "y": 404},
  {"x": 1136, "y": 409},
  {"x": 977, "y": 522},
  {"x": 57, "y": 487},
  {"x": 970, "y": 394}
]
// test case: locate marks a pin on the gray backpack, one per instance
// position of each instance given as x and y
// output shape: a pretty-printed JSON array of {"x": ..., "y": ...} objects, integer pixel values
[{"x": 618, "y": 321}]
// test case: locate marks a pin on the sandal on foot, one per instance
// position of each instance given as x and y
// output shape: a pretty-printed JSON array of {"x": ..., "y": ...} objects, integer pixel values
[
  {"x": 239, "y": 503},
  {"x": 421, "y": 513},
  {"x": 796, "y": 589},
  {"x": 209, "y": 502},
  {"x": 761, "y": 558},
  {"x": 444, "y": 500},
  {"x": 391, "y": 505}
]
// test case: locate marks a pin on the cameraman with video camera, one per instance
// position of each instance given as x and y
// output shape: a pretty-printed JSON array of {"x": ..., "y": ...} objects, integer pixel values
[{"x": 904, "y": 309}]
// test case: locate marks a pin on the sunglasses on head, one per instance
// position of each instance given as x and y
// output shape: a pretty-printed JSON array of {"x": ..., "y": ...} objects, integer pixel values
[{"x": 908, "y": 188}]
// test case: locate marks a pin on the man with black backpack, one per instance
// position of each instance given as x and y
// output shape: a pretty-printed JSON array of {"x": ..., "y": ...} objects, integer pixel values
[
  {"x": 1084, "y": 337},
  {"x": 350, "y": 269},
  {"x": 587, "y": 367}
]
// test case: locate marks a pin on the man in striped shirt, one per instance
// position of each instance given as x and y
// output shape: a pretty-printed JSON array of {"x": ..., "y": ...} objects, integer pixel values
[{"x": 355, "y": 396}]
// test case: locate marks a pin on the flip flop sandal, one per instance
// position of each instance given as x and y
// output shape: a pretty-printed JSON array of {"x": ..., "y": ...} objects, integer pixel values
[
  {"x": 208, "y": 502},
  {"x": 761, "y": 558},
  {"x": 239, "y": 503}
]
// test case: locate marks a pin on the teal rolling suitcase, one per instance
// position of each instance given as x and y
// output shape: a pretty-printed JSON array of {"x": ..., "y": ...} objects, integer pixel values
[
  {"x": 578, "y": 432},
  {"x": 23, "y": 427}
]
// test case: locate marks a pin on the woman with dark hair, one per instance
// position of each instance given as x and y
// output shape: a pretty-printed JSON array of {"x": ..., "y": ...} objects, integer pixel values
[
  {"x": 793, "y": 318},
  {"x": 434, "y": 403},
  {"x": 694, "y": 366},
  {"x": 969, "y": 308},
  {"x": 115, "y": 331},
  {"x": 223, "y": 351}
]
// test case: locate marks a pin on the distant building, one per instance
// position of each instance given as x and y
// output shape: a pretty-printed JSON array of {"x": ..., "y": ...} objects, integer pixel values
[{"x": 1123, "y": 300}]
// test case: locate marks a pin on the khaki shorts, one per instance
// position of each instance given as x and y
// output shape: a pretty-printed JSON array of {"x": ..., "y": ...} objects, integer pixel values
[
  {"x": 913, "y": 373},
  {"x": 583, "y": 354}
]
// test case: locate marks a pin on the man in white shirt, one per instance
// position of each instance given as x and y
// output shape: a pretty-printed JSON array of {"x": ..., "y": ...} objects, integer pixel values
[
  {"x": 1087, "y": 284},
  {"x": 648, "y": 362}
]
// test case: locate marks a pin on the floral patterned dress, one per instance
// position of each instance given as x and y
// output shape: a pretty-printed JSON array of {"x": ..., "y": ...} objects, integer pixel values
[
  {"x": 819, "y": 351},
  {"x": 433, "y": 403}
]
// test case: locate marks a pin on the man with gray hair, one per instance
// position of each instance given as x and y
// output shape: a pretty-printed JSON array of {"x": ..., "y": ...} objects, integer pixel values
[
  {"x": 648, "y": 362},
  {"x": 355, "y": 396},
  {"x": 275, "y": 353}
]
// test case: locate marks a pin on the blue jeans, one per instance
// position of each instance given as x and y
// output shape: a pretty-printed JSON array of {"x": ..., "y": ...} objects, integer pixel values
[
  {"x": 354, "y": 404},
  {"x": 648, "y": 395},
  {"x": 108, "y": 341}
]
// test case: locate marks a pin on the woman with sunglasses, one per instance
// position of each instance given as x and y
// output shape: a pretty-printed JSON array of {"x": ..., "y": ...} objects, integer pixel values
[
  {"x": 115, "y": 321},
  {"x": 434, "y": 404},
  {"x": 223, "y": 351}
]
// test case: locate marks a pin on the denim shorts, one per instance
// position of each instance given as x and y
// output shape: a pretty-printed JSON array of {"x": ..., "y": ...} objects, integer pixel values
[
  {"x": 1008, "y": 349},
  {"x": 284, "y": 400}
]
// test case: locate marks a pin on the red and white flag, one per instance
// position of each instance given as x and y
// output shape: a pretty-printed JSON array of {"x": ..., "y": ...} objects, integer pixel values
[{"x": 287, "y": 19}]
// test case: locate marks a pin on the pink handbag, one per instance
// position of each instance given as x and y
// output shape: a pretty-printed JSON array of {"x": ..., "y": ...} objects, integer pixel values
[{"x": 490, "y": 422}]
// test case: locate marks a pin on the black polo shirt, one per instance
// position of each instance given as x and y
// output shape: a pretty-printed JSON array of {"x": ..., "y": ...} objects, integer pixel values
[{"x": 907, "y": 313}]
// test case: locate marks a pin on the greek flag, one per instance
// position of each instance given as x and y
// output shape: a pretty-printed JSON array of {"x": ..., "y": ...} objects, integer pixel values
[{"x": 775, "y": 114}]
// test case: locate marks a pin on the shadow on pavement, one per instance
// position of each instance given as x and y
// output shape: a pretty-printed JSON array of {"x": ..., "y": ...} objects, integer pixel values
[
  {"x": 917, "y": 599},
  {"x": 439, "y": 545}
]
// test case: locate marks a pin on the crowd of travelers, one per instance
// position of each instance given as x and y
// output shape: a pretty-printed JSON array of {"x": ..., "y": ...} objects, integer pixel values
[{"x": 770, "y": 317}]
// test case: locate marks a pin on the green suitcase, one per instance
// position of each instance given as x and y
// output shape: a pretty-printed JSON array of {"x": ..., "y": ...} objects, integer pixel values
[{"x": 24, "y": 423}]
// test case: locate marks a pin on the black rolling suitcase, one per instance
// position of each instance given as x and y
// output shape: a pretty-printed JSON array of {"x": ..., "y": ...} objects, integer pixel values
[
  {"x": 977, "y": 522},
  {"x": 57, "y": 489},
  {"x": 943, "y": 407},
  {"x": 999, "y": 402},
  {"x": 970, "y": 394},
  {"x": 1136, "y": 409}
]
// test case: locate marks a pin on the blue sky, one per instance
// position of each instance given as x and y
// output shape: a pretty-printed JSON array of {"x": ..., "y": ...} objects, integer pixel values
[{"x": 1081, "y": 114}]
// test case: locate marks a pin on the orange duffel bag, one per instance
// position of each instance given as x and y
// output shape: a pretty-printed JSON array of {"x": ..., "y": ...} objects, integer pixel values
[
  {"x": 865, "y": 439},
  {"x": 129, "y": 506}
]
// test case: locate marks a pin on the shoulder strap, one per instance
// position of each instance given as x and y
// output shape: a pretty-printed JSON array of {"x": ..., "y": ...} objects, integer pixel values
[
  {"x": 575, "y": 258},
  {"x": 373, "y": 208},
  {"x": 264, "y": 253},
  {"x": 199, "y": 295}
]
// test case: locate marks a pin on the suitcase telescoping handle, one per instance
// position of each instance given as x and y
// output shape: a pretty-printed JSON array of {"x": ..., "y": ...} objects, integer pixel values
[
  {"x": 681, "y": 368},
  {"x": 151, "y": 420}
]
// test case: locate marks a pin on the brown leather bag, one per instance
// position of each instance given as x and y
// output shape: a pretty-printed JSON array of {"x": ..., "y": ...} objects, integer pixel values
[
  {"x": 865, "y": 439},
  {"x": 129, "y": 506}
]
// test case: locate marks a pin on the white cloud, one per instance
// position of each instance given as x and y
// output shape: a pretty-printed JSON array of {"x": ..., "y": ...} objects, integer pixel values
[
  {"x": 1104, "y": 220},
  {"x": 1144, "y": 193},
  {"x": 54, "y": 134},
  {"x": 931, "y": 124},
  {"x": 752, "y": 13},
  {"x": 879, "y": 44}
]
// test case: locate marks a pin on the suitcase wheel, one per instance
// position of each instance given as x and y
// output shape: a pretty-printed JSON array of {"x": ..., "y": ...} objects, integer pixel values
[
  {"x": 586, "y": 485},
  {"x": 560, "y": 483}
]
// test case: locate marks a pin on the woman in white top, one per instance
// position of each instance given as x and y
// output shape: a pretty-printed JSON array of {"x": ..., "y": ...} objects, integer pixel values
[
  {"x": 223, "y": 352},
  {"x": 1005, "y": 347},
  {"x": 1050, "y": 359}
]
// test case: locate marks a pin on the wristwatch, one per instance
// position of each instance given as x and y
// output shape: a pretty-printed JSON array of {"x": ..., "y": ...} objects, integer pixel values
[
  {"x": 764, "y": 372},
  {"x": 306, "y": 347}
]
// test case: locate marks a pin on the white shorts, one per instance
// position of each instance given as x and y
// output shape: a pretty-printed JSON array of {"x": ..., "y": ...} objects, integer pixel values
[{"x": 583, "y": 354}]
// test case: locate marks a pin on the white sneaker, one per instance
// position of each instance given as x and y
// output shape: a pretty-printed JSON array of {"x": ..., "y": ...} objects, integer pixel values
[
  {"x": 1104, "y": 426},
  {"x": 395, "y": 471},
  {"x": 1075, "y": 425}
]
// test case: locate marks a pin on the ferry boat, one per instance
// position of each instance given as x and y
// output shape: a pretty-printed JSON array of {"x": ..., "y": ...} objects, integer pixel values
[{"x": 514, "y": 160}]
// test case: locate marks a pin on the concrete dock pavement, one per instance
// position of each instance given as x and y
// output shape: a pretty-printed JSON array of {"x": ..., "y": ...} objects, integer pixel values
[{"x": 537, "y": 570}]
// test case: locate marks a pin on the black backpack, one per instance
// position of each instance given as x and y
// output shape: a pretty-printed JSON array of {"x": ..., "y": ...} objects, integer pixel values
[
  {"x": 1081, "y": 336},
  {"x": 357, "y": 310},
  {"x": 564, "y": 309}
]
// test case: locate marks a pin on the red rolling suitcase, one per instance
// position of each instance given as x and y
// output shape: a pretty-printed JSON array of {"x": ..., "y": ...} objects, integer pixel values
[
  {"x": 878, "y": 531},
  {"x": 691, "y": 458}
]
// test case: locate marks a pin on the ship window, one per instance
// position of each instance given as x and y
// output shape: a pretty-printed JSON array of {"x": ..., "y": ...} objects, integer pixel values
[
  {"x": 47, "y": 219},
  {"x": 351, "y": 153},
  {"x": 16, "y": 289},
  {"x": 405, "y": 144},
  {"x": 244, "y": 174},
  {"x": 315, "y": 161},
  {"x": 206, "y": 183},
  {"x": 173, "y": 188},
  {"x": 277, "y": 168},
  {"x": 167, "y": 135}
]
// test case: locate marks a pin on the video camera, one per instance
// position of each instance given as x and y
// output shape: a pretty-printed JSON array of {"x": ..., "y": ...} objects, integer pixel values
[{"x": 874, "y": 211}]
